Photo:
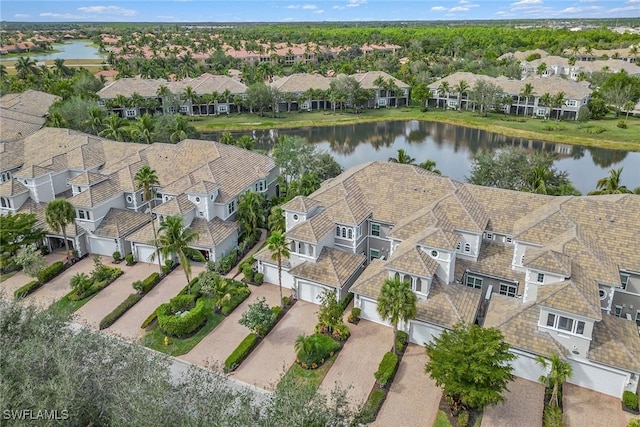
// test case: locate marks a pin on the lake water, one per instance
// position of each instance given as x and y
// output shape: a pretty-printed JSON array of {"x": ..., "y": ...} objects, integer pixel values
[
  {"x": 452, "y": 148},
  {"x": 73, "y": 50}
]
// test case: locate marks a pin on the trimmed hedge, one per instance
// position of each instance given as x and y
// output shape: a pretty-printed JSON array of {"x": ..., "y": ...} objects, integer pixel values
[
  {"x": 150, "y": 282},
  {"x": 153, "y": 316},
  {"x": 186, "y": 323},
  {"x": 235, "y": 300},
  {"x": 241, "y": 352},
  {"x": 402, "y": 338},
  {"x": 50, "y": 272},
  {"x": 630, "y": 400},
  {"x": 387, "y": 368},
  {"x": 27, "y": 289},
  {"x": 125, "y": 305},
  {"x": 372, "y": 406}
]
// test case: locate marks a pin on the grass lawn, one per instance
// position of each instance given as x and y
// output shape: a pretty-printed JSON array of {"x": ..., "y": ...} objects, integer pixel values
[
  {"x": 308, "y": 377},
  {"x": 568, "y": 132},
  {"x": 154, "y": 338},
  {"x": 442, "y": 420},
  {"x": 68, "y": 307}
]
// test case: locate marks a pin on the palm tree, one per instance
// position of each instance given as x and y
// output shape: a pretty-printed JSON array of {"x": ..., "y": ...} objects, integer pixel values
[
  {"x": 610, "y": 184},
  {"x": 396, "y": 302},
  {"x": 180, "y": 129},
  {"x": 628, "y": 108},
  {"x": 460, "y": 88},
  {"x": 527, "y": 92},
  {"x": 276, "y": 221},
  {"x": 3, "y": 72},
  {"x": 221, "y": 291},
  {"x": 60, "y": 69},
  {"x": 537, "y": 182},
  {"x": 277, "y": 244},
  {"x": 541, "y": 69},
  {"x": 250, "y": 212},
  {"x": 80, "y": 282},
  {"x": 58, "y": 214},
  {"x": 546, "y": 99},
  {"x": 444, "y": 89},
  {"x": 146, "y": 179},
  {"x": 164, "y": 94},
  {"x": 114, "y": 128},
  {"x": 94, "y": 120},
  {"x": 174, "y": 240},
  {"x": 189, "y": 95},
  {"x": 143, "y": 128},
  {"x": 558, "y": 102},
  {"x": 403, "y": 158},
  {"x": 25, "y": 66},
  {"x": 559, "y": 372},
  {"x": 430, "y": 165},
  {"x": 303, "y": 346},
  {"x": 379, "y": 83}
]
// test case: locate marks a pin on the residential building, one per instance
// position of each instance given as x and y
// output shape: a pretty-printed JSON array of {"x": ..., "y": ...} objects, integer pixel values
[
  {"x": 202, "y": 181},
  {"x": 23, "y": 113},
  {"x": 553, "y": 274}
]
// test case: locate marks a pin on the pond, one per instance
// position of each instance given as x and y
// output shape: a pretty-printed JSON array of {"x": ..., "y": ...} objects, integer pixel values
[
  {"x": 73, "y": 50},
  {"x": 451, "y": 147}
]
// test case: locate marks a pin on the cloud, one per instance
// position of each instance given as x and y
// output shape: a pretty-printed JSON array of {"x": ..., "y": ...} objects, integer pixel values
[
  {"x": 60, "y": 15},
  {"x": 309, "y": 6},
  {"x": 526, "y": 3},
  {"x": 355, "y": 3},
  {"x": 459, "y": 9},
  {"x": 21, "y": 15},
  {"x": 318, "y": 11},
  {"x": 108, "y": 10},
  {"x": 438, "y": 8}
]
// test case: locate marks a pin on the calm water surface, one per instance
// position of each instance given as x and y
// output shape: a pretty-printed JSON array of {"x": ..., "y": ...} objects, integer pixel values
[
  {"x": 73, "y": 50},
  {"x": 452, "y": 148}
]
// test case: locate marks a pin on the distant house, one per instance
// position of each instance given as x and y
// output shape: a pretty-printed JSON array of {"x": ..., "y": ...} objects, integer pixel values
[{"x": 23, "y": 113}]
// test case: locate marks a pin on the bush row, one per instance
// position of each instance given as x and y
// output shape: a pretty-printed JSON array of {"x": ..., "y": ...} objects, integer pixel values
[
  {"x": 27, "y": 289},
  {"x": 185, "y": 323},
  {"x": 241, "y": 352},
  {"x": 372, "y": 406},
  {"x": 630, "y": 400},
  {"x": 125, "y": 305},
  {"x": 402, "y": 338},
  {"x": 150, "y": 282},
  {"x": 387, "y": 368},
  {"x": 50, "y": 272},
  {"x": 236, "y": 300}
]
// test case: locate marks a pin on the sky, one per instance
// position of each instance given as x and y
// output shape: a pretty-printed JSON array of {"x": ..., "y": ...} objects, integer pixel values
[{"x": 307, "y": 10}]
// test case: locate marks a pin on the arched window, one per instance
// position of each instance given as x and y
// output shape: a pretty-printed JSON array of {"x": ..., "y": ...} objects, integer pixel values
[
  {"x": 467, "y": 248},
  {"x": 337, "y": 230},
  {"x": 344, "y": 232},
  {"x": 397, "y": 276},
  {"x": 418, "y": 285},
  {"x": 458, "y": 247},
  {"x": 407, "y": 278},
  {"x": 522, "y": 260},
  {"x": 350, "y": 234}
]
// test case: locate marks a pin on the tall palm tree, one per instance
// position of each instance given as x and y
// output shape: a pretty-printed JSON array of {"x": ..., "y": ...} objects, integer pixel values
[
  {"x": 60, "y": 69},
  {"x": 26, "y": 66},
  {"x": 527, "y": 92},
  {"x": 114, "y": 128},
  {"x": 189, "y": 95},
  {"x": 379, "y": 83},
  {"x": 250, "y": 212},
  {"x": 610, "y": 184},
  {"x": 276, "y": 221},
  {"x": 460, "y": 88},
  {"x": 164, "y": 94},
  {"x": 559, "y": 372},
  {"x": 180, "y": 129},
  {"x": 628, "y": 108},
  {"x": 174, "y": 240},
  {"x": 146, "y": 179},
  {"x": 541, "y": 69},
  {"x": 58, "y": 214},
  {"x": 558, "y": 102},
  {"x": 277, "y": 244},
  {"x": 444, "y": 89},
  {"x": 430, "y": 165},
  {"x": 396, "y": 302},
  {"x": 143, "y": 128},
  {"x": 402, "y": 158},
  {"x": 546, "y": 99}
]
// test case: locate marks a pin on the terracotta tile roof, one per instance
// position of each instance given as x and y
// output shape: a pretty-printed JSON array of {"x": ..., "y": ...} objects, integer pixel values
[
  {"x": 408, "y": 258},
  {"x": 548, "y": 260},
  {"x": 301, "y": 204},
  {"x": 143, "y": 235},
  {"x": 313, "y": 230},
  {"x": 212, "y": 233},
  {"x": 438, "y": 238},
  {"x": 333, "y": 267},
  {"x": 370, "y": 281},
  {"x": 38, "y": 209},
  {"x": 12, "y": 187},
  {"x": 120, "y": 222},
  {"x": 96, "y": 195},
  {"x": 615, "y": 342},
  {"x": 88, "y": 178},
  {"x": 176, "y": 206}
]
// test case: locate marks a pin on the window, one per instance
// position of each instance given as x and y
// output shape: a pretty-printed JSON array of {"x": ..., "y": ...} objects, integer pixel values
[
  {"x": 311, "y": 250},
  {"x": 509, "y": 240},
  {"x": 374, "y": 253},
  {"x": 296, "y": 217},
  {"x": 467, "y": 248},
  {"x": 580, "y": 328},
  {"x": 350, "y": 232},
  {"x": 540, "y": 278},
  {"x": 551, "y": 320},
  {"x": 171, "y": 109},
  {"x": 212, "y": 197},
  {"x": 602, "y": 294},
  {"x": 382, "y": 102},
  {"x": 223, "y": 108},
  {"x": 508, "y": 290},
  {"x": 344, "y": 232},
  {"x": 418, "y": 285},
  {"x": 231, "y": 207},
  {"x": 184, "y": 108},
  {"x": 130, "y": 113},
  {"x": 638, "y": 317},
  {"x": 305, "y": 105},
  {"x": 5, "y": 202},
  {"x": 129, "y": 199},
  {"x": 522, "y": 260},
  {"x": 489, "y": 236},
  {"x": 197, "y": 199},
  {"x": 458, "y": 247},
  {"x": 474, "y": 282},
  {"x": 359, "y": 232},
  {"x": 624, "y": 280},
  {"x": 565, "y": 323},
  {"x": 375, "y": 230},
  {"x": 141, "y": 197},
  {"x": 81, "y": 214},
  {"x": 337, "y": 230},
  {"x": 261, "y": 186},
  {"x": 618, "y": 310},
  {"x": 407, "y": 279},
  {"x": 434, "y": 254},
  {"x": 572, "y": 103}
]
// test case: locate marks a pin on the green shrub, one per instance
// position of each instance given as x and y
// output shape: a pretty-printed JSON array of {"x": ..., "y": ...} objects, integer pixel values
[
  {"x": 345, "y": 302},
  {"x": 153, "y": 316},
  {"x": 258, "y": 278},
  {"x": 341, "y": 332},
  {"x": 187, "y": 321},
  {"x": 128, "y": 258},
  {"x": 117, "y": 257},
  {"x": 117, "y": 312},
  {"x": 552, "y": 417},
  {"x": 241, "y": 352},
  {"x": 401, "y": 341},
  {"x": 621, "y": 124},
  {"x": 634, "y": 422},
  {"x": 286, "y": 300},
  {"x": 247, "y": 270},
  {"x": 138, "y": 285},
  {"x": 630, "y": 400},
  {"x": 355, "y": 312},
  {"x": 387, "y": 368},
  {"x": 463, "y": 418},
  {"x": 27, "y": 289},
  {"x": 50, "y": 272},
  {"x": 236, "y": 300},
  {"x": 150, "y": 282},
  {"x": 372, "y": 406},
  {"x": 320, "y": 347},
  {"x": 277, "y": 310}
]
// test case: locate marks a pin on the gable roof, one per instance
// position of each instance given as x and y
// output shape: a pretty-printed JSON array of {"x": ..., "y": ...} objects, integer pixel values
[
  {"x": 407, "y": 258},
  {"x": 96, "y": 195},
  {"x": 120, "y": 222},
  {"x": 175, "y": 206},
  {"x": 300, "y": 204},
  {"x": 12, "y": 188},
  {"x": 312, "y": 230},
  {"x": 212, "y": 233},
  {"x": 333, "y": 267},
  {"x": 548, "y": 260}
]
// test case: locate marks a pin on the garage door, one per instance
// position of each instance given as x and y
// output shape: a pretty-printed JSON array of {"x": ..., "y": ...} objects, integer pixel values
[
  {"x": 144, "y": 252},
  {"x": 525, "y": 366},
  {"x": 598, "y": 378},
  {"x": 310, "y": 292},
  {"x": 369, "y": 311},
  {"x": 421, "y": 333},
  {"x": 102, "y": 246},
  {"x": 271, "y": 276}
]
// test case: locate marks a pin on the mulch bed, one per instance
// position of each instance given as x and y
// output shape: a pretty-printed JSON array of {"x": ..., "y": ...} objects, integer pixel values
[{"x": 453, "y": 416}]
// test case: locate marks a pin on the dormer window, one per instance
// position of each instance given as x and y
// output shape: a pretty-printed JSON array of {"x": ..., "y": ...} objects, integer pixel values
[
  {"x": 197, "y": 199},
  {"x": 566, "y": 324},
  {"x": 540, "y": 278},
  {"x": 467, "y": 248}
]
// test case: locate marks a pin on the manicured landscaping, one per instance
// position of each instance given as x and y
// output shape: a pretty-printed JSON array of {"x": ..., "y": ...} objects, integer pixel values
[
  {"x": 308, "y": 377},
  {"x": 143, "y": 287},
  {"x": 45, "y": 275},
  {"x": 155, "y": 338},
  {"x": 442, "y": 420}
]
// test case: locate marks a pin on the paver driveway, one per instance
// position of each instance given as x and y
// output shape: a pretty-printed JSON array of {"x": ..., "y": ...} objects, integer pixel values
[
  {"x": 128, "y": 326},
  {"x": 214, "y": 349},
  {"x": 523, "y": 406},
  {"x": 413, "y": 398},
  {"x": 358, "y": 361},
  {"x": 587, "y": 408},
  {"x": 9, "y": 286},
  {"x": 102, "y": 304},
  {"x": 275, "y": 354}
]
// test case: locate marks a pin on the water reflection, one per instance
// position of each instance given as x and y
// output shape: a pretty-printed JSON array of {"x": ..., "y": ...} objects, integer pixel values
[{"x": 451, "y": 147}]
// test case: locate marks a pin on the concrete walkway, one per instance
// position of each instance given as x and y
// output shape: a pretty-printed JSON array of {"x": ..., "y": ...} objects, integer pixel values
[
  {"x": 128, "y": 326},
  {"x": 358, "y": 361},
  {"x": 587, "y": 408},
  {"x": 9, "y": 286},
  {"x": 214, "y": 349},
  {"x": 102, "y": 304},
  {"x": 523, "y": 406},
  {"x": 413, "y": 398},
  {"x": 275, "y": 354}
]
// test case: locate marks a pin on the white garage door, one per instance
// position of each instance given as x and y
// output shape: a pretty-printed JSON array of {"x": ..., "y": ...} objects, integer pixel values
[
  {"x": 369, "y": 311},
  {"x": 525, "y": 366},
  {"x": 144, "y": 252},
  {"x": 310, "y": 292},
  {"x": 271, "y": 276},
  {"x": 102, "y": 246},
  {"x": 421, "y": 333},
  {"x": 598, "y": 378}
]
